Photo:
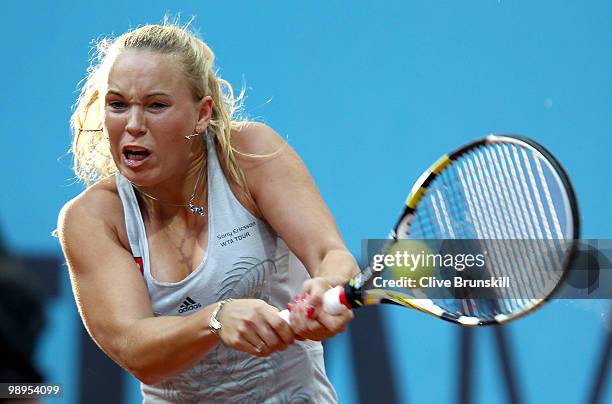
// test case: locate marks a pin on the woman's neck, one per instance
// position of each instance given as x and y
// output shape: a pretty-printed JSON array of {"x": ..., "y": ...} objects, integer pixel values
[{"x": 183, "y": 194}]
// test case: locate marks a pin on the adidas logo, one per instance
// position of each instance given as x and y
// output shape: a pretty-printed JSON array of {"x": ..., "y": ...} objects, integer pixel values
[{"x": 188, "y": 305}]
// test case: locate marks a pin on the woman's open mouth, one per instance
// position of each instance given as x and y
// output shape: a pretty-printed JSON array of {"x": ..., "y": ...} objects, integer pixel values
[{"x": 134, "y": 156}]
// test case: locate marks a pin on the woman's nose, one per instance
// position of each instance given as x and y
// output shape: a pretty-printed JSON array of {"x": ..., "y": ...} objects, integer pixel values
[{"x": 136, "y": 125}]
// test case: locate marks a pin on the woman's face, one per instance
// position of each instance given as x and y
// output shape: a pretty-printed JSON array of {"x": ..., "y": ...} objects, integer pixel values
[{"x": 149, "y": 109}]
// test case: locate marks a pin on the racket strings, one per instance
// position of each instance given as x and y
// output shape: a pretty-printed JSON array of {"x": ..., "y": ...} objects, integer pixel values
[
  {"x": 516, "y": 208},
  {"x": 498, "y": 192},
  {"x": 518, "y": 255},
  {"x": 504, "y": 257},
  {"x": 540, "y": 218},
  {"x": 476, "y": 187}
]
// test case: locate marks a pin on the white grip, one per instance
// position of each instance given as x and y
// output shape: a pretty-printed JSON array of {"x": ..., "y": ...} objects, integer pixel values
[
  {"x": 285, "y": 315},
  {"x": 331, "y": 303}
]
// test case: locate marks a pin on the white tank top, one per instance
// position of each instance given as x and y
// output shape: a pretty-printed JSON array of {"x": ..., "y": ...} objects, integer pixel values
[{"x": 245, "y": 258}]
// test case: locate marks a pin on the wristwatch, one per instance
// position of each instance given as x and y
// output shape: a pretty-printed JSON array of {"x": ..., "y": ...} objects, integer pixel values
[{"x": 213, "y": 324}]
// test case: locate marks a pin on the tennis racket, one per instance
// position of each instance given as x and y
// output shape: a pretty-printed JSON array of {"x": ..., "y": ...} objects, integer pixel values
[{"x": 501, "y": 187}]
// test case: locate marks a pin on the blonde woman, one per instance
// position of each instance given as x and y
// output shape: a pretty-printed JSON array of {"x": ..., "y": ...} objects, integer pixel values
[{"x": 194, "y": 230}]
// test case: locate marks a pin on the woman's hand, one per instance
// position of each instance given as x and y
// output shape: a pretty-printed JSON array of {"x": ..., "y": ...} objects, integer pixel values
[
  {"x": 253, "y": 326},
  {"x": 309, "y": 320}
]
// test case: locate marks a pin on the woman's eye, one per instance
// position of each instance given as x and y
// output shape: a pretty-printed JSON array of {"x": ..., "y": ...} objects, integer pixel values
[
  {"x": 116, "y": 105},
  {"x": 158, "y": 105}
]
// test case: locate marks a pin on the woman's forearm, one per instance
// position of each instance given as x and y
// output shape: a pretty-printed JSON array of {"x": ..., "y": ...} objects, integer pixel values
[
  {"x": 337, "y": 267},
  {"x": 159, "y": 347}
]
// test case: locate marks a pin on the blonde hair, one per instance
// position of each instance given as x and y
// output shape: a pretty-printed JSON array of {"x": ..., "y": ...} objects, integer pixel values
[{"x": 90, "y": 147}]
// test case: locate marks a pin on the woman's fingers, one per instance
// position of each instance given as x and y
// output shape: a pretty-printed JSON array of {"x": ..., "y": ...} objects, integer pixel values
[
  {"x": 312, "y": 322},
  {"x": 335, "y": 323},
  {"x": 305, "y": 323},
  {"x": 255, "y": 327},
  {"x": 280, "y": 327}
]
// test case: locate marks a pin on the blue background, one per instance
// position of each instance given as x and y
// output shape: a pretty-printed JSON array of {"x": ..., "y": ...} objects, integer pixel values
[{"x": 369, "y": 94}]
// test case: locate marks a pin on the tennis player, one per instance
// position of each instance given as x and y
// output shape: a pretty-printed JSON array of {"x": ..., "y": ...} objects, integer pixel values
[{"x": 194, "y": 230}]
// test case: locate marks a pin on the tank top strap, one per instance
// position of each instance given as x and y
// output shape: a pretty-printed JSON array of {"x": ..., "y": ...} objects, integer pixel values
[
  {"x": 133, "y": 221},
  {"x": 223, "y": 202}
]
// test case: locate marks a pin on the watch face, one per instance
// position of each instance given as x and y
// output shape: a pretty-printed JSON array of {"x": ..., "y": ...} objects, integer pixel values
[{"x": 215, "y": 324}]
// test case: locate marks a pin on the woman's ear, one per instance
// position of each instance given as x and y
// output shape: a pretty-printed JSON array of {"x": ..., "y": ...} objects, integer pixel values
[{"x": 205, "y": 112}]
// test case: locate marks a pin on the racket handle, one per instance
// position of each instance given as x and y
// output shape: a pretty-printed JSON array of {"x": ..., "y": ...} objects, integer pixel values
[
  {"x": 332, "y": 303},
  {"x": 334, "y": 300},
  {"x": 285, "y": 315}
]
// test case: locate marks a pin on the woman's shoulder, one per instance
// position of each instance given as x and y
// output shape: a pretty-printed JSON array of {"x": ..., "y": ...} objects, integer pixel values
[
  {"x": 256, "y": 138},
  {"x": 98, "y": 203}
]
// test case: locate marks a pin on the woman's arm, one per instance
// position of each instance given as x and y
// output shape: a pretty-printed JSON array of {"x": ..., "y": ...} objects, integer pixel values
[
  {"x": 288, "y": 199},
  {"x": 114, "y": 303}
]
